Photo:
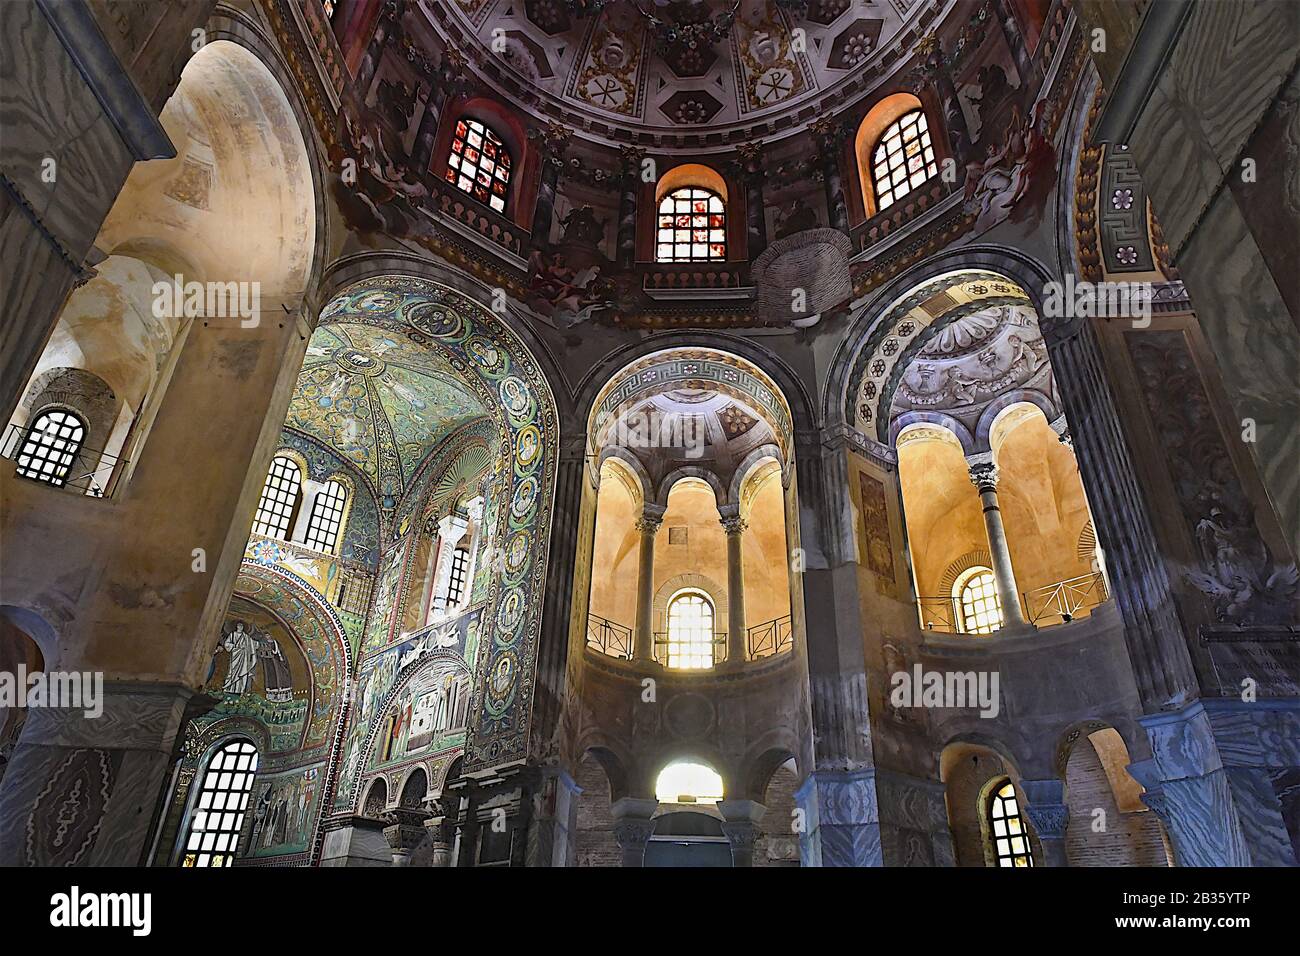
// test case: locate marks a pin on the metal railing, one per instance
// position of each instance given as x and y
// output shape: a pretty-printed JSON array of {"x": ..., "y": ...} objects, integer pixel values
[
  {"x": 609, "y": 638},
  {"x": 1062, "y": 600},
  {"x": 87, "y": 471},
  {"x": 940, "y": 614},
  {"x": 769, "y": 639},
  {"x": 662, "y": 645},
  {"x": 1065, "y": 599}
]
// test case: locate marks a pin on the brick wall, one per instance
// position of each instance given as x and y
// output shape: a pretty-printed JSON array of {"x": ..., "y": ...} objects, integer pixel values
[
  {"x": 777, "y": 843},
  {"x": 596, "y": 843},
  {"x": 1129, "y": 839}
]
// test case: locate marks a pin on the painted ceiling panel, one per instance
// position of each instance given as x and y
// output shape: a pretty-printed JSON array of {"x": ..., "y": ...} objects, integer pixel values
[{"x": 379, "y": 400}]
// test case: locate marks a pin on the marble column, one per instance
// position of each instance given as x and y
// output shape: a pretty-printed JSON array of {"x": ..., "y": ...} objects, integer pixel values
[
  {"x": 740, "y": 824},
  {"x": 643, "y": 639},
  {"x": 1048, "y": 815},
  {"x": 829, "y": 135},
  {"x": 444, "y": 82},
  {"x": 553, "y": 822},
  {"x": 1187, "y": 785},
  {"x": 840, "y": 819},
  {"x": 404, "y": 832},
  {"x": 1139, "y": 580},
  {"x": 984, "y": 476},
  {"x": 735, "y": 526},
  {"x": 81, "y": 790},
  {"x": 568, "y": 588},
  {"x": 442, "y": 837},
  {"x": 387, "y": 28},
  {"x": 633, "y": 827},
  {"x": 630, "y": 187},
  {"x": 551, "y": 143},
  {"x": 752, "y": 174}
]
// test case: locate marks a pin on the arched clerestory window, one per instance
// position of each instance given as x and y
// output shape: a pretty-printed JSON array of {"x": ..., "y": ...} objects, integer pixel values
[
  {"x": 278, "y": 505},
  {"x": 903, "y": 158},
  {"x": 51, "y": 446},
  {"x": 217, "y": 817},
  {"x": 326, "y": 521},
  {"x": 1007, "y": 833},
  {"x": 692, "y": 226},
  {"x": 978, "y": 607},
  {"x": 480, "y": 163},
  {"x": 689, "y": 642}
]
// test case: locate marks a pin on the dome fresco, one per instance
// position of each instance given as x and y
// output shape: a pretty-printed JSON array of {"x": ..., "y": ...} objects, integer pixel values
[{"x": 670, "y": 65}]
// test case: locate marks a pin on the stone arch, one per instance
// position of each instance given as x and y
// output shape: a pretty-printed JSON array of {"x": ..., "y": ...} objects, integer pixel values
[
  {"x": 691, "y": 582},
  {"x": 870, "y": 323},
  {"x": 488, "y": 353},
  {"x": 947, "y": 422},
  {"x": 376, "y": 799},
  {"x": 631, "y": 464},
  {"x": 1099, "y": 788},
  {"x": 747, "y": 466},
  {"x": 971, "y": 766},
  {"x": 764, "y": 759},
  {"x": 979, "y": 558},
  {"x": 82, "y": 391},
  {"x": 690, "y": 471},
  {"x": 802, "y": 415},
  {"x": 415, "y": 787},
  {"x": 1003, "y": 403}
]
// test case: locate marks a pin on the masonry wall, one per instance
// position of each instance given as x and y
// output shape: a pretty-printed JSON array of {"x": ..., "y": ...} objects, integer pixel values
[{"x": 1129, "y": 839}]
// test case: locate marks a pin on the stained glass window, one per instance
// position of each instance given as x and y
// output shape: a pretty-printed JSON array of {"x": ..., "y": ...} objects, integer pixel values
[
  {"x": 692, "y": 226},
  {"x": 690, "y": 639},
  {"x": 218, "y": 814},
  {"x": 279, "y": 500},
  {"x": 981, "y": 611},
  {"x": 1007, "y": 829},
  {"x": 479, "y": 164},
  {"x": 903, "y": 159},
  {"x": 326, "y": 517},
  {"x": 51, "y": 446}
]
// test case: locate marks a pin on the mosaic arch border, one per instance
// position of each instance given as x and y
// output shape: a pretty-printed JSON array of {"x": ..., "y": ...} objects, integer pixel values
[
  {"x": 876, "y": 319},
  {"x": 304, "y": 612},
  {"x": 497, "y": 364}
]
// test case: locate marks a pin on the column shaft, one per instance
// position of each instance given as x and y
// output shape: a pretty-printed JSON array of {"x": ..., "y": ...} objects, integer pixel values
[
  {"x": 985, "y": 478},
  {"x": 736, "y": 651},
  {"x": 643, "y": 640}
]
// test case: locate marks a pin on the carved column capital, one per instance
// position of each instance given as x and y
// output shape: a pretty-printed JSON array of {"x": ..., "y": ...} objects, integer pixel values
[
  {"x": 552, "y": 140},
  {"x": 630, "y": 159},
  {"x": 751, "y": 158},
  {"x": 829, "y": 132},
  {"x": 650, "y": 522},
  {"x": 733, "y": 525},
  {"x": 984, "y": 476},
  {"x": 405, "y": 830},
  {"x": 1049, "y": 820}
]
